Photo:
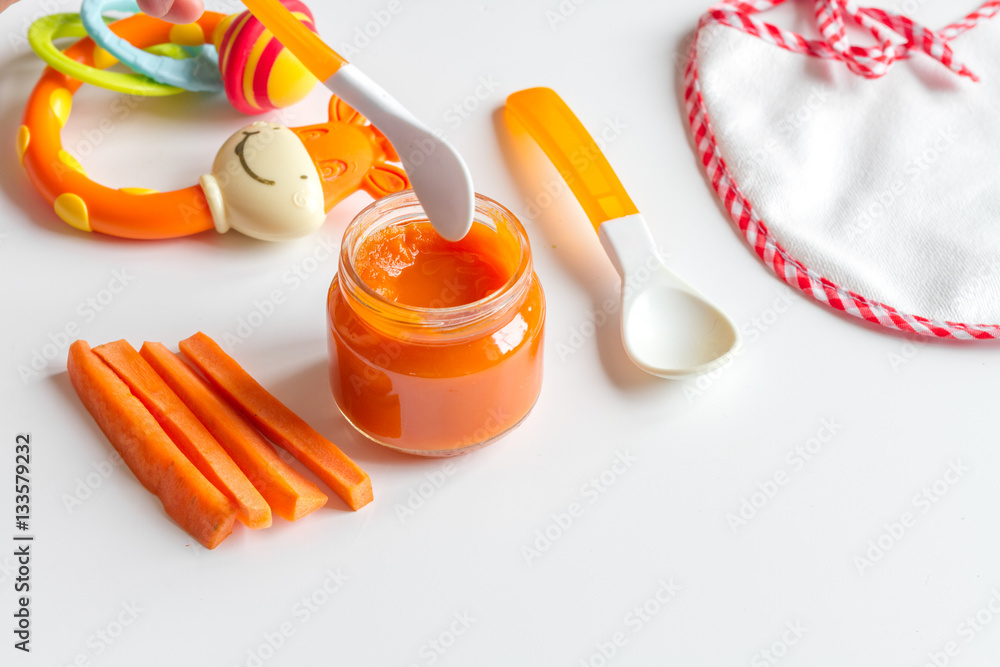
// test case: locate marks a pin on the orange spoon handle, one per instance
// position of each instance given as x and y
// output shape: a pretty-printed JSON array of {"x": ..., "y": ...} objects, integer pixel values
[
  {"x": 562, "y": 137},
  {"x": 306, "y": 45}
]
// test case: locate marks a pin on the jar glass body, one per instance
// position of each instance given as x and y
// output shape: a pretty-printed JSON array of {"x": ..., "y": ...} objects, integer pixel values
[{"x": 436, "y": 381}]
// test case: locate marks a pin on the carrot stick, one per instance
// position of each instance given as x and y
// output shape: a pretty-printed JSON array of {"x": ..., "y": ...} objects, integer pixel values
[
  {"x": 187, "y": 497},
  {"x": 189, "y": 434},
  {"x": 277, "y": 422},
  {"x": 290, "y": 495}
]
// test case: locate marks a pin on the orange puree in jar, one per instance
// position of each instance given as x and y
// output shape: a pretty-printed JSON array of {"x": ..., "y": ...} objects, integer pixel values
[
  {"x": 413, "y": 266},
  {"x": 435, "y": 346}
]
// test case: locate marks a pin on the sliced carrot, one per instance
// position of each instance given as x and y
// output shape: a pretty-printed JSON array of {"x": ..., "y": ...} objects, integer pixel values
[
  {"x": 290, "y": 495},
  {"x": 189, "y": 434},
  {"x": 277, "y": 422},
  {"x": 188, "y": 498}
]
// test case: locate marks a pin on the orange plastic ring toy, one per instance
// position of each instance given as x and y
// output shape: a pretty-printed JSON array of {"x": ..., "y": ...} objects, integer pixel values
[{"x": 264, "y": 177}]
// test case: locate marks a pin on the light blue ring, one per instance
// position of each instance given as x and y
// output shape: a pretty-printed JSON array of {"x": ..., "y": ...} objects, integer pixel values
[{"x": 199, "y": 73}]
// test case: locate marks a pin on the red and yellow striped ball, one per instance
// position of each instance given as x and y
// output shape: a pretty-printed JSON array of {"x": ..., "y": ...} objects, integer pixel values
[{"x": 259, "y": 74}]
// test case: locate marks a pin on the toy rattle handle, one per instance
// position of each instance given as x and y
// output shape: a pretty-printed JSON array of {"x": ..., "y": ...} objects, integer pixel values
[
  {"x": 562, "y": 137},
  {"x": 307, "y": 46}
]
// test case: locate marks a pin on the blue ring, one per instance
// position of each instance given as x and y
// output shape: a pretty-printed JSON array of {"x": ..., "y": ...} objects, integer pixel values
[{"x": 199, "y": 73}]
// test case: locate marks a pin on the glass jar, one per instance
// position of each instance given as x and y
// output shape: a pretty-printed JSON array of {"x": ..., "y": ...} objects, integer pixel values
[{"x": 439, "y": 380}]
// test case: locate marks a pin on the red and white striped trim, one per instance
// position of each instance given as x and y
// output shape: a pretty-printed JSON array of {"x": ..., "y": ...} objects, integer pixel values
[{"x": 899, "y": 37}]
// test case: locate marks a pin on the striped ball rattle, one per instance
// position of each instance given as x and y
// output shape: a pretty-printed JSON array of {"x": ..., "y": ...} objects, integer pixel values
[{"x": 258, "y": 73}]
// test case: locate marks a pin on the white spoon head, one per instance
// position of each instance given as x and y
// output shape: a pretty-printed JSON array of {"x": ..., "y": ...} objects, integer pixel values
[
  {"x": 437, "y": 172},
  {"x": 668, "y": 328},
  {"x": 673, "y": 332},
  {"x": 441, "y": 181}
]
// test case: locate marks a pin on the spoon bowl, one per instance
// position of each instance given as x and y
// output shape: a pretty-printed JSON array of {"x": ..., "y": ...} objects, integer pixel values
[
  {"x": 655, "y": 342},
  {"x": 669, "y": 329}
]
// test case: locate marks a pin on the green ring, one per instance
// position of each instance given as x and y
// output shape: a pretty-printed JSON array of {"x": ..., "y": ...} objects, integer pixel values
[{"x": 45, "y": 30}]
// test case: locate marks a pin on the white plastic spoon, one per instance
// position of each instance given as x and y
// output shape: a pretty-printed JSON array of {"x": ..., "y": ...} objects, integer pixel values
[
  {"x": 439, "y": 176},
  {"x": 668, "y": 328}
]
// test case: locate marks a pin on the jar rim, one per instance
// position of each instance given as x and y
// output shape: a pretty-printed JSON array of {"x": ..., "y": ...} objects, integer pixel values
[{"x": 402, "y": 208}]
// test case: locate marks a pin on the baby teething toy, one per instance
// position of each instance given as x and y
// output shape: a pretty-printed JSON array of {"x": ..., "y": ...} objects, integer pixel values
[
  {"x": 268, "y": 181},
  {"x": 47, "y": 29},
  {"x": 200, "y": 72},
  {"x": 235, "y": 53}
]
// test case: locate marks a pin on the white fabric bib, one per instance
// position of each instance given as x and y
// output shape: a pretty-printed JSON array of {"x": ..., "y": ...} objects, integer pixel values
[{"x": 878, "y": 196}]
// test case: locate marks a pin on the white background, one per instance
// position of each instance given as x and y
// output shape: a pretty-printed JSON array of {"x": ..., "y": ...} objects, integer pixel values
[{"x": 902, "y": 411}]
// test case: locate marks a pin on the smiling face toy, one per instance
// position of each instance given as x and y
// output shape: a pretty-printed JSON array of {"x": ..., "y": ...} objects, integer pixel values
[
  {"x": 273, "y": 183},
  {"x": 264, "y": 184}
]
